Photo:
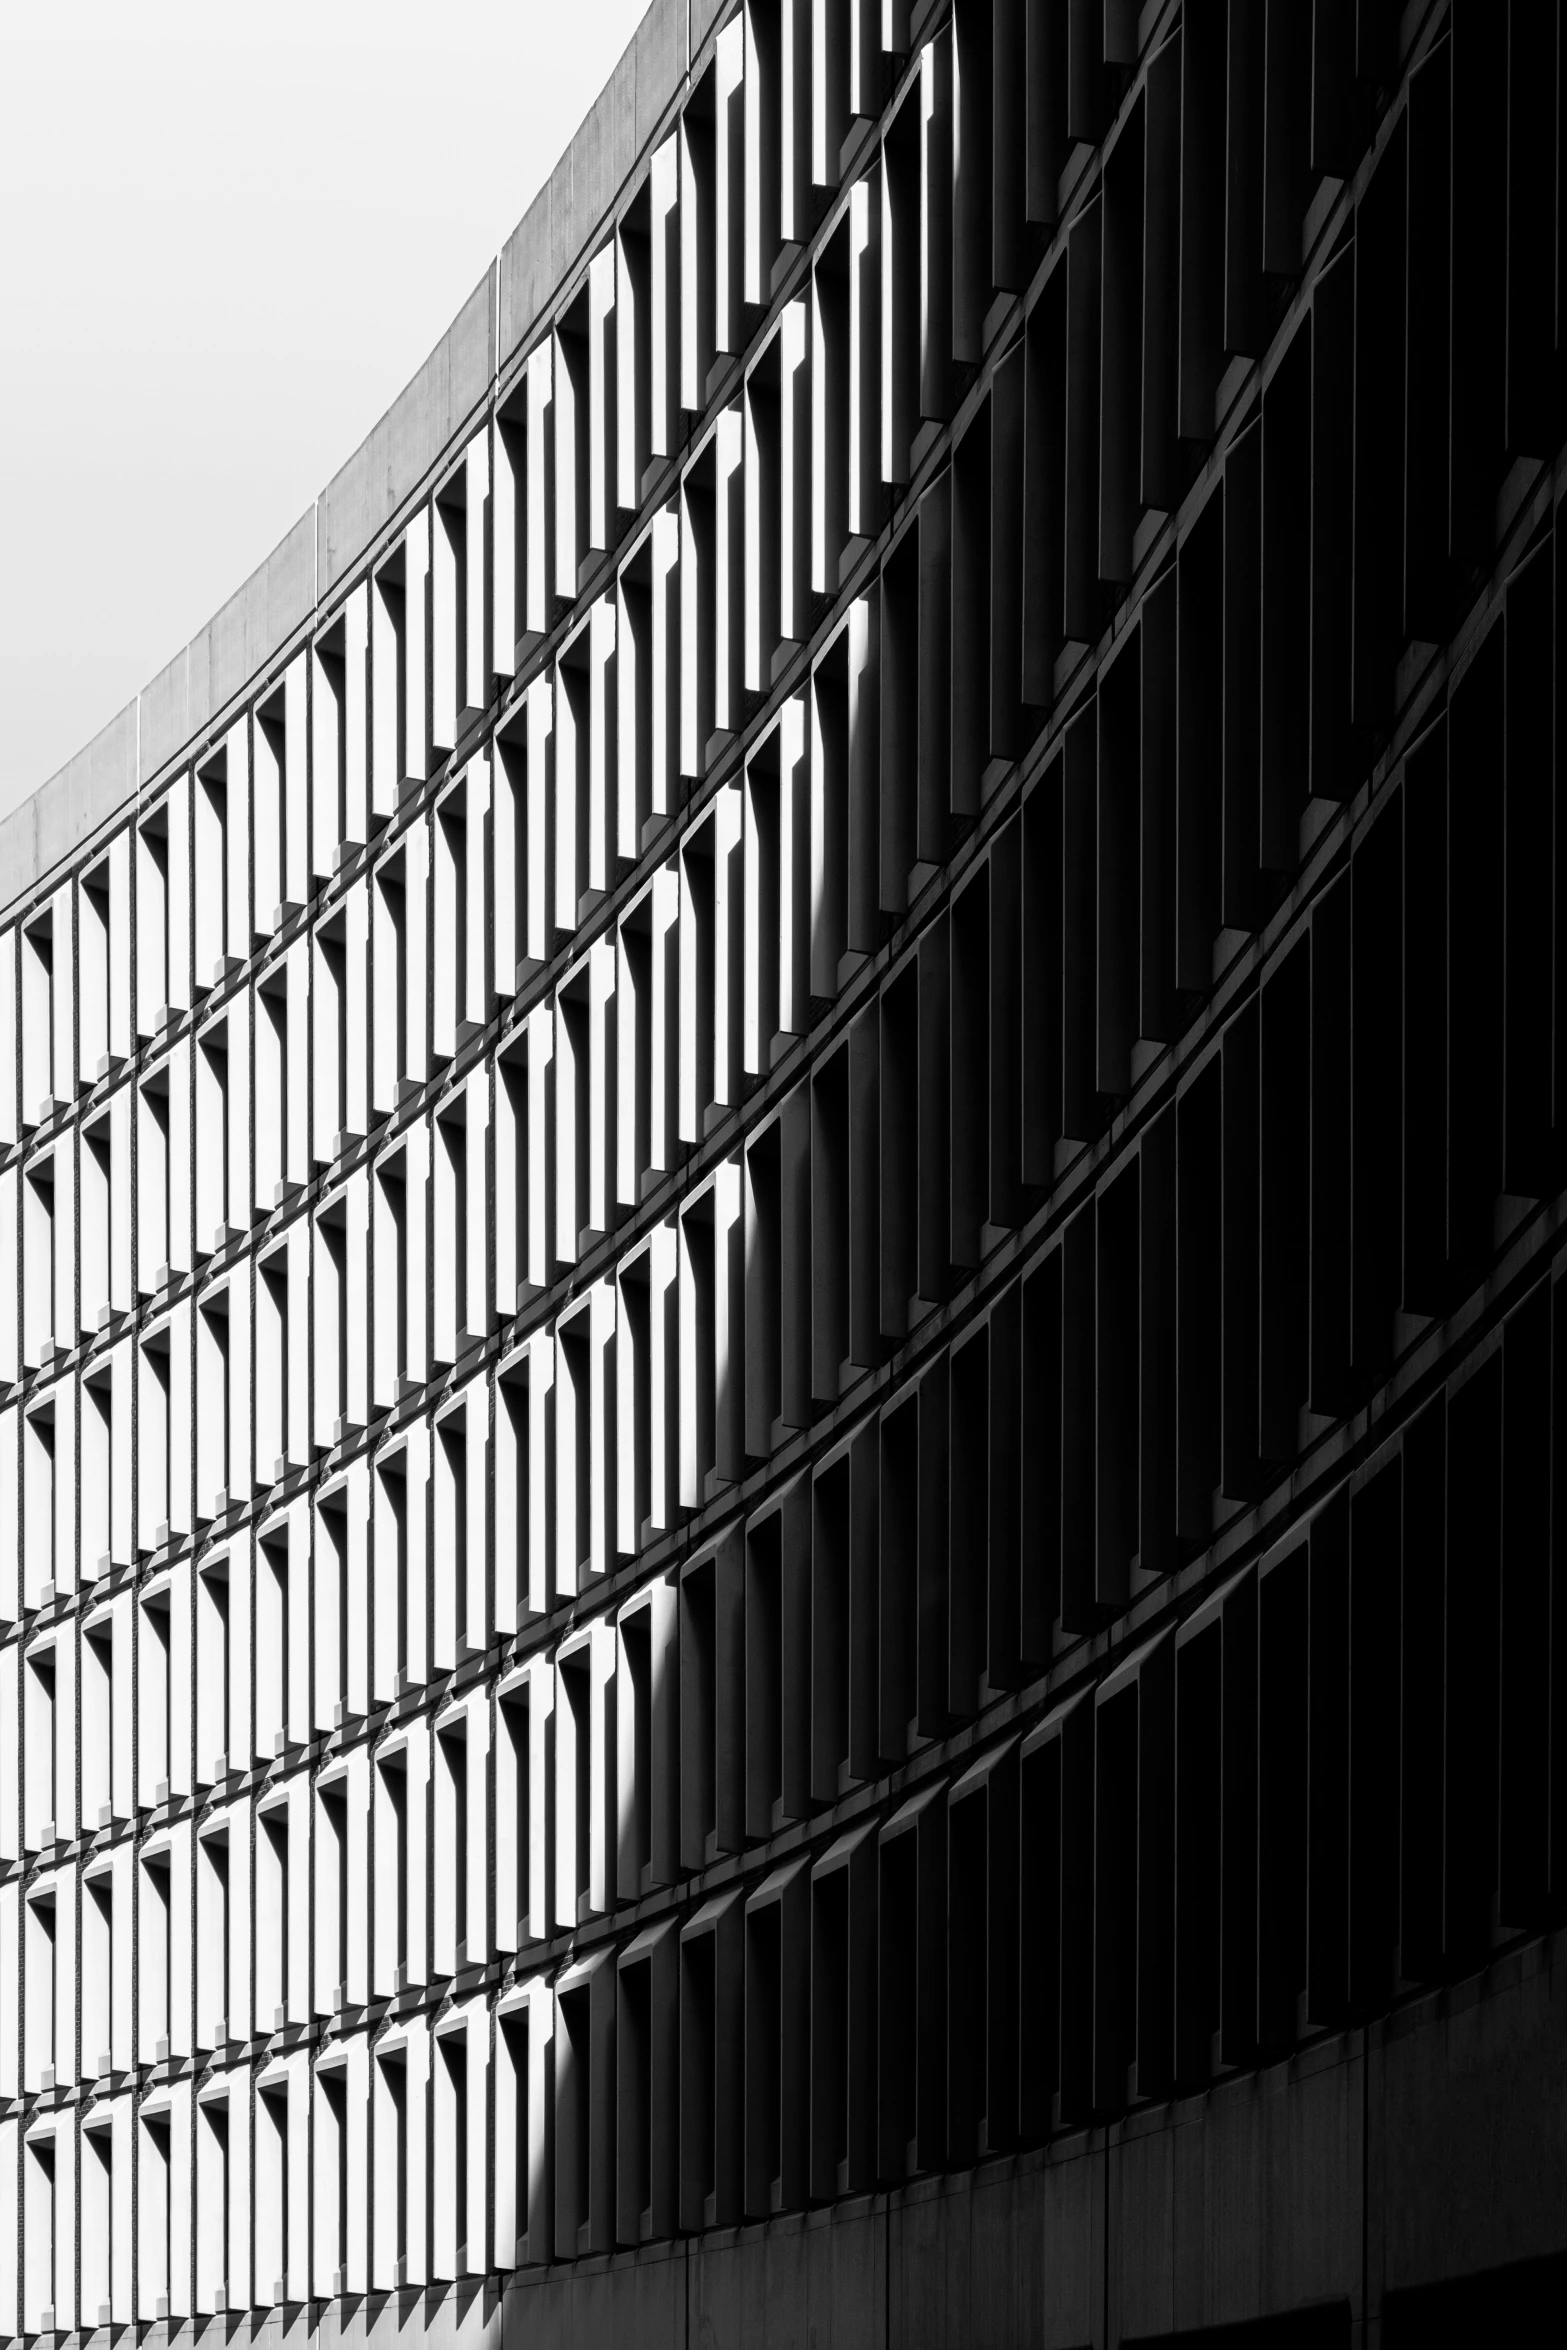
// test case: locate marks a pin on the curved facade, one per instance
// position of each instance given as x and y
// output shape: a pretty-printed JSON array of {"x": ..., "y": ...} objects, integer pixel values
[{"x": 778, "y": 1332}]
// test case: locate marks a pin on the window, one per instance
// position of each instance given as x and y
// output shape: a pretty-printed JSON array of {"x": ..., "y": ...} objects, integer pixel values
[
  {"x": 212, "y": 1937},
  {"x": 97, "y": 1722},
  {"x": 155, "y": 1954},
  {"x": 451, "y": 2153},
  {"x": 38, "y": 1027},
  {"x": 213, "y": 1738},
  {"x": 451, "y": 1845},
  {"x": 98, "y": 1974},
  {"x": 39, "y": 1695},
  {"x": 155, "y": 1695},
  {"x": 392, "y": 1833},
  {"x": 40, "y": 2248},
  {"x": 390, "y": 2214},
  {"x": 212, "y": 2202},
  {"x": 39, "y": 1974},
  {"x": 213, "y": 1218},
  {"x": 332, "y": 2180},
  {"x": 274, "y": 1895},
  {"x": 274, "y": 2272},
  {"x": 332, "y": 1898},
  {"x": 40, "y": 1335},
  {"x": 102, "y": 2214}
]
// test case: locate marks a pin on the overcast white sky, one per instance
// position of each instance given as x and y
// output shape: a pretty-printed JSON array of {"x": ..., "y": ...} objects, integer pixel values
[{"x": 229, "y": 234}]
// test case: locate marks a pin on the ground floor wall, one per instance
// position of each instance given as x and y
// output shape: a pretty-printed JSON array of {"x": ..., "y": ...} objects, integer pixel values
[{"x": 1401, "y": 2184}]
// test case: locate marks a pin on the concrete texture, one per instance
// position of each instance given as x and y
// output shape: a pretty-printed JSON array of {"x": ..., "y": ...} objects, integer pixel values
[
  {"x": 704, "y": 15},
  {"x": 554, "y": 232},
  {"x": 69, "y": 808},
  {"x": 1243, "y": 2202},
  {"x": 278, "y": 598},
  {"x": 639, "y": 2300},
  {"x": 432, "y": 411},
  {"x": 1279, "y": 2191},
  {"x": 1469, "y": 2122},
  {"x": 1011, "y": 2253}
]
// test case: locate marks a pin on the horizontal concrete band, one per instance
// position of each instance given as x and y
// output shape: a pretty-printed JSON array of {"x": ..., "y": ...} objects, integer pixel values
[{"x": 282, "y": 595}]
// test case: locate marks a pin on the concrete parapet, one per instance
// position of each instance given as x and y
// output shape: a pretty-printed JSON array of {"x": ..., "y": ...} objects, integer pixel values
[
  {"x": 425, "y": 417},
  {"x": 278, "y": 598},
  {"x": 553, "y": 233},
  {"x": 63, "y": 812}
]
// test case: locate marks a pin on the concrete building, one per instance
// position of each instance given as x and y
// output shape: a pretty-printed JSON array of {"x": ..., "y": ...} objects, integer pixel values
[{"x": 780, "y": 1164}]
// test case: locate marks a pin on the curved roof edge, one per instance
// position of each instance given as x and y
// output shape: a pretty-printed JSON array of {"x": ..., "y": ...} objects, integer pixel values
[{"x": 282, "y": 596}]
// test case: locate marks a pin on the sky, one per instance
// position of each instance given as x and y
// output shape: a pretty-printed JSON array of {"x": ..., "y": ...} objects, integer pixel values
[{"x": 229, "y": 234}]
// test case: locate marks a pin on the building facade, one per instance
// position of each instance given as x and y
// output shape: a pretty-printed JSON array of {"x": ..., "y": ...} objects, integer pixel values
[{"x": 780, "y": 1172}]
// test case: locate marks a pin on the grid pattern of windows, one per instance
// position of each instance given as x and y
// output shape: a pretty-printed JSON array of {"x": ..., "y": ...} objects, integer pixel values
[{"x": 778, "y": 1260}]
